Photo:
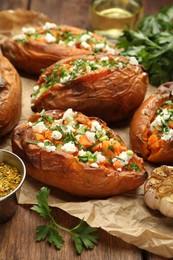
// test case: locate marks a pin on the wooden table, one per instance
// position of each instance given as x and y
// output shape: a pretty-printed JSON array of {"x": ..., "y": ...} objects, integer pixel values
[{"x": 17, "y": 236}]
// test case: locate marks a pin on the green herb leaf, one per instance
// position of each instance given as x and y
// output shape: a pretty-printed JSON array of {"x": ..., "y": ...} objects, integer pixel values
[
  {"x": 82, "y": 234},
  {"x": 152, "y": 44},
  {"x": 42, "y": 208}
]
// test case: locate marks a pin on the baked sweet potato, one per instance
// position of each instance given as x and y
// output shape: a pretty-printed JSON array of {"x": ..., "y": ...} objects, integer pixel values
[
  {"x": 77, "y": 154},
  {"x": 151, "y": 130},
  {"x": 10, "y": 96},
  {"x": 38, "y": 48},
  {"x": 108, "y": 86}
]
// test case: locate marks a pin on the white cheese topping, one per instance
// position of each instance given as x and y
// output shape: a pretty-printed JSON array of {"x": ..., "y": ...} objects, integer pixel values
[
  {"x": 168, "y": 136},
  {"x": 95, "y": 126},
  {"x": 50, "y": 38},
  {"x": 90, "y": 136},
  {"x": 123, "y": 157},
  {"x": 56, "y": 135},
  {"x": 68, "y": 113},
  {"x": 39, "y": 127},
  {"x": 134, "y": 61},
  {"x": 49, "y": 26},
  {"x": 100, "y": 157},
  {"x": 69, "y": 148},
  {"x": 28, "y": 30},
  {"x": 94, "y": 165},
  {"x": 20, "y": 37}
]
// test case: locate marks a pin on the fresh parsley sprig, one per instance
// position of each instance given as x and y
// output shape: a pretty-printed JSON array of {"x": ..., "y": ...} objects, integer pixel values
[
  {"x": 152, "y": 44},
  {"x": 82, "y": 234}
]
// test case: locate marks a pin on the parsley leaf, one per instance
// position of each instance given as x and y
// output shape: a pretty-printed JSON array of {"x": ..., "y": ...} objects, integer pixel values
[
  {"x": 152, "y": 44},
  {"x": 82, "y": 234}
]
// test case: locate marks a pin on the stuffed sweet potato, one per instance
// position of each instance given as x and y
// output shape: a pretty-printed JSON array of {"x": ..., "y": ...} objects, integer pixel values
[
  {"x": 38, "y": 48},
  {"x": 10, "y": 96},
  {"x": 108, "y": 86},
  {"x": 151, "y": 130},
  {"x": 77, "y": 154}
]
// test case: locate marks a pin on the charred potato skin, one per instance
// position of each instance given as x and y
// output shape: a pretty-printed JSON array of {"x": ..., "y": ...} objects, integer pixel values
[
  {"x": 10, "y": 96},
  {"x": 142, "y": 119},
  {"x": 63, "y": 171},
  {"x": 33, "y": 56},
  {"x": 112, "y": 95}
]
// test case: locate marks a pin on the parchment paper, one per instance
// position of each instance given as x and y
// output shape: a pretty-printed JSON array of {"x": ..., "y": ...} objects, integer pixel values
[{"x": 125, "y": 216}]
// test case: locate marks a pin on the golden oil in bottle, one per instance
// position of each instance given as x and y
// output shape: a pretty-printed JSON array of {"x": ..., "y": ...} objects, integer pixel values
[{"x": 110, "y": 17}]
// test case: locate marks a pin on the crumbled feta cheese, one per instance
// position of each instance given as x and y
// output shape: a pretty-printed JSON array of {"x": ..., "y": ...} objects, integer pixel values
[
  {"x": 164, "y": 115},
  {"x": 49, "y": 26},
  {"x": 28, "y": 30},
  {"x": 95, "y": 126},
  {"x": 50, "y": 38},
  {"x": 65, "y": 79},
  {"x": 104, "y": 58},
  {"x": 85, "y": 37},
  {"x": 50, "y": 148},
  {"x": 30, "y": 123},
  {"x": 41, "y": 145},
  {"x": 69, "y": 129},
  {"x": 35, "y": 88},
  {"x": 108, "y": 49},
  {"x": 61, "y": 42},
  {"x": 68, "y": 113},
  {"x": 124, "y": 157},
  {"x": 85, "y": 45},
  {"x": 69, "y": 148},
  {"x": 100, "y": 157},
  {"x": 94, "y": 165},
  {"x": 133, "y": 61},
  {"x": 168, "y": 136},
  {"x": 71, "y": 43},
  {"x": 81, "y": 152},
  {"x": 56, "y": 135},
  {"x": 90, "y": 136},
  {"x": 19, "y": 37},
  {"x": 99, "y": 45},
  {"x": 39, "y": 127}
]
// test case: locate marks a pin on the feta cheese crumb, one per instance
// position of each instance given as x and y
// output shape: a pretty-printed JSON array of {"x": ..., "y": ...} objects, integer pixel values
[
  {"x": 124, "y": 157},
  {"x": 85, "y": 45},
  {"x": 39, "y": 127},
  {"x": 133, "y": 61},
  {"x": 19, "y": 37},
  {"x": 90, "y": 136},
  {"x": 69, "y": 148},
  {"x": 49, "y": 26},
  {"x": 94, "y": 165},
  {"x": 68, "y": 113},
  {"x": 50, "y": 38},
  {"x": 28, "y": 30},
  {"x": 95, "y": 126},
  {"x": 100, "y": 157},
  {"x": 50, "y": 148},
  {"x": 56, "y": 135}
]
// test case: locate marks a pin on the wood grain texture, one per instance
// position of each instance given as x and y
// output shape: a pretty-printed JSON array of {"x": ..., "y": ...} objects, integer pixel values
[
  {"x": 73, "y": 12},
  {"x": 17, "y": 240},
  {"x": 13, "y": 4},
  {"x": 17, "y": 236}
]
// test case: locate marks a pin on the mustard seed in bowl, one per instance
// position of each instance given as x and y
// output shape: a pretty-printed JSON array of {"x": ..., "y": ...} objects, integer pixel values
[{"x": 10, "y": 178}]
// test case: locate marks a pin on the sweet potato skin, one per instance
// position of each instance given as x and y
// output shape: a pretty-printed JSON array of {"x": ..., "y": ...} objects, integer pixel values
[
  {"x": 10, "y": 96},
  {"x": 33, "y": 56},
  {"x": 63, "y": 171},
  {"x": 112, "y": 95},
  {"x": 141, "y": 121}
]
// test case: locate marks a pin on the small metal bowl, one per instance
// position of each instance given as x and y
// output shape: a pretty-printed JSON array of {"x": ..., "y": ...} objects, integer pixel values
[{"x": 8, "y": 203}]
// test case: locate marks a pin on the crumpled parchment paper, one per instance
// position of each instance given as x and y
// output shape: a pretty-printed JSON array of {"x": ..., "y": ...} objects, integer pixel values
[{"x": 125, "y": 216}]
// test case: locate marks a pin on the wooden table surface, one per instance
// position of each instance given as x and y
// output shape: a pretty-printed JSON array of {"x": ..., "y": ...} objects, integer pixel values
[{"x": 17, "y": 236}]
